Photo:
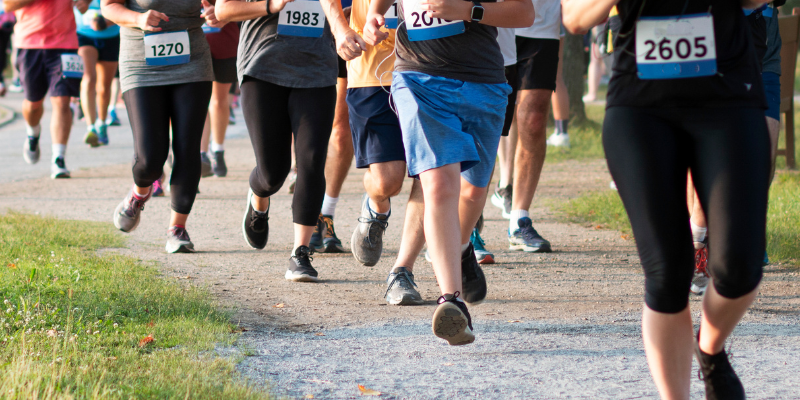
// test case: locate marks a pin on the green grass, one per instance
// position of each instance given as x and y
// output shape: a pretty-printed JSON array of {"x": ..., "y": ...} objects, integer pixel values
[
  {"x": 586, "y": 140},
  {"x": 72, "y": 321},
  {"x": 605, "y": 211}
]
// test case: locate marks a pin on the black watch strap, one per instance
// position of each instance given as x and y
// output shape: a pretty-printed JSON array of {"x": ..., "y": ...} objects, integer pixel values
[{"x": 268, "y": 11}]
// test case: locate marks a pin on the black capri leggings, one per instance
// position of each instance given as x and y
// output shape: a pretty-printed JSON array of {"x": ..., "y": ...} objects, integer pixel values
[
  {"x": 272, "y": 113},
  {"x": 150, "y": 110},
  {"x": 727, "y": 150}
]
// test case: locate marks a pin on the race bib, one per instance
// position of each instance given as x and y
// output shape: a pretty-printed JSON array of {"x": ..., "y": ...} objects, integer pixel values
[
  {"x": 676, "y": 47},
  {"x": 302, "y": 18},
  {"x": 71, "y": 65},
  {"x": 420, "y": 26},
  {"x": 207, "y": 29},
  {"x": 167, "y": 48},
  {"x": 391, "y": 16}
]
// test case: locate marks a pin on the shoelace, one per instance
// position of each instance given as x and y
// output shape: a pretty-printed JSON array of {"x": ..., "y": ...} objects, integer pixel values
[
  {"x": 258, "y": 221},
  {"x": 33, "y": 143},
  {"x": 133, "y": 205},
  {"x": 373, "y": 222},
  {"x": 461, "y": 306},
  {"x": 397, "y": 276},
  {"x": 60, "y": 162},
  {"x": 329, "y": 227},
  {"x": 180, "y": 233},
  {"x": 701, "y": 260},
  {"x": 478, "y": 239},
  {"x": 303, "y": 256},
  {"x": 529, "y": 232}
]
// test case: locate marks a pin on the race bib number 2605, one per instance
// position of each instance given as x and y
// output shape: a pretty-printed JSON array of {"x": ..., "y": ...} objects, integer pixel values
[{"x": 676, "y": 47}]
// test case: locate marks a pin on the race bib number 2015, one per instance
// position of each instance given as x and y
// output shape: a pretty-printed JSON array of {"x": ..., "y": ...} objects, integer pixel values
[
  {"x": 167, "y": 48},
  {"x": 422, "y": 26},
  {"x": 302, "y": 18},
  {"x": 676, "y": 47}
]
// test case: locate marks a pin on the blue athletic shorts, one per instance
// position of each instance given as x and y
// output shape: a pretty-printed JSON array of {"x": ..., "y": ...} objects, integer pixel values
[
  {"x": 40, "y": 72},
  {"x": 374, "y": 125},
  {"x": 447, "y": 121},
  {"x": 772, "y": 88}
]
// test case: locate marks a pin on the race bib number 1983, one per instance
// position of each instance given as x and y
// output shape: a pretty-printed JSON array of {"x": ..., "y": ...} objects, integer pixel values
[
  {"x": 302, "y": 18},
  {"x": 421, "y": 26},
  {"x": 676, "y": 47}
]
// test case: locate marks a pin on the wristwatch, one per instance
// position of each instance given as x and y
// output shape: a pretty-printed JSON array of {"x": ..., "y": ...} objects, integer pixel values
[
  {"x": 477, "y": 12},
  {"x": 269, "y": 13}
]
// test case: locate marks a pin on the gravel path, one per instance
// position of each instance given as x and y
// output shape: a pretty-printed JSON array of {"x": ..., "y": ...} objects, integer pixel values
[{"x": 558, "y": 325}]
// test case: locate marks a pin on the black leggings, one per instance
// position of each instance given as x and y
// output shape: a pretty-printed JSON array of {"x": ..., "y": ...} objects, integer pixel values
[
  {"x": 150, "y": 110},
  {"x": 727, "y": 150},
  {"x": 272, "y": 113}
]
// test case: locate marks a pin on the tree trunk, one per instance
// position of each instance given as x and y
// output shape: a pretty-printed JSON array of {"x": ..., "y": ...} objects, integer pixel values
[{"x": 574, "y": 70}]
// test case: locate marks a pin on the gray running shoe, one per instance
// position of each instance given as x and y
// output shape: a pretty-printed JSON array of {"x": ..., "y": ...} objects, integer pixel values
[
  {"x": 300, "y": 269},
  {"x": 367, "y": 240},
  {"x": 527, "y": 239},
  {"x": 218, "y": 163},
  {"x": 127, "y": 214},
  {"x": 178, "y": 241},
  {"x": 205, "y": 166},
  {"x": 502, "y": 200},
  {"x": 400, "y": 288},
  {"x": 30, "y": 150},
  {"x": 452, "y": 322},
  {"x": 59, "y": 169}
]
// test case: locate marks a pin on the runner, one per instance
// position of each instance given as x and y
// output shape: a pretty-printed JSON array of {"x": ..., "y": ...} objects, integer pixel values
[
  {"x": 45, "y": 34},
  {"x": 287, "y": 69},
  {"x": 166, "y": 74},
  {"x": 664, "y": 117},
  {"x": 99, "y": 49},
  {"x": 560, "y": 102},
  {"x": 7, "y": 21},
  {"x": 450, "y": 91}
]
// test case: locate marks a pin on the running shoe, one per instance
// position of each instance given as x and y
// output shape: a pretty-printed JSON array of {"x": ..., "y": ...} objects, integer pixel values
[
  {"x": 400, "y": 288},
  {"x": 113, "y": 119},
  {"x": 30, "y": 150},
  {"x": 78, "y": 110},
  {"x": 128, "y": 213},
  {"x": 367, "y": 240},
  {"x": 701, "y": 277},
  {"x": 527, "y": 239},
  {"x": 59, "y": 170},
  {"x": 558, "y": 139},
  {"x": 472, "y": 278},
  {"x": 16, "y": 86},
  {"x": 718, "y": 376},
  {"x": 766, "y": 258},
  {"x": 502, "y": 200},
  {"x": 479, "y": 224},
  {"x": 451, "y": 320},
  {"x": 428, "y": 256},
  {"x": 612, "y": 185},
  {"x": 102, "y": 133},
  {"x": 330, "y": 242},
  {"x": 300, "y": 269},
  {"x": 481, "y": 254},
  {"x": 158, "y": 190},
  {"x": 255, "y": 225},
  {"x": 178, "y": 240},
  {"x": 232, "y": 117},
  {"x": 91, "y": 138},
  {"x": 316, "y": 237},
  {"x": 3, "y": 89},
  {"x": 205, "y": 166},
  {"x": 292, "y": 179},
  {"x": 218, "y": 165}
]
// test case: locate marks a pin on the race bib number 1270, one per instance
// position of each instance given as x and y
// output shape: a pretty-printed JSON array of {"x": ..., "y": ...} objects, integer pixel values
[
  {"x": 676, "y": 47},
  {"x": 302, "y": 18},
  {"x": 167, "y": 48},
  {"x": 421, "y": 26}
]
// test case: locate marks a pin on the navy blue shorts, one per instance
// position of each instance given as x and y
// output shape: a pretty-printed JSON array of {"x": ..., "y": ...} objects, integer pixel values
[
  {"x": 40, "y": 72},
  {"x": 772, "y": 88},
  {"x": 107, "y": 49},
  {"x": 377, "y": 137}
]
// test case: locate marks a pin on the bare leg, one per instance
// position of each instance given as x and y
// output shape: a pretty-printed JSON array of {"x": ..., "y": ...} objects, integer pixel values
[
  {"x": 206, "y": 136},
  {"x": 698, "y": 217},
  {"x": 177, "y": 219},
  {"x": 105, "y": 79},
  {"x": 413, "y": 231},
  {"x": 340, "y": 147},
  {"x": 505, "y": 156},
  {"x": 383, "y": 181},
  {"x": 61, "y": 123},
  {"x": 720, "y": 316},
  {"x": 302, "y": 235},
  {"x": 89, "y": 84},
  {"x": 32, "y": 112},
  {"x": 595, "y": 72},
  {"x": 669, "y": 344},
  {"x": 560, "y": 98},
  {"x": 441, "y": 188},
  {"x": 470, "y": 206},
  {"x": 532, "y": 109},
  {"x": 219, "y": 111}
]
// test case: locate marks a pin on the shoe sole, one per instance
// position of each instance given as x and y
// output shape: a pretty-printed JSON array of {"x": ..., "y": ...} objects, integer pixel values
[
  {"x": 405, "y": 302},
  {"x": 91, "y": 140},
  {"x": 450, "y": 324},
  {"x": 182, "y": 248},
  {"x": 332, "y": 248},
  {"x": 299, "y": 278},
  {"x": 698, "y": 290},
  {"x": 522, "y": 247},
  {"x": 117, "y": 212},
  {"x": 487, "y": 259},
  {"x": 60, "y": 175},
  {"x": 244, "y": 221},
  {"x": 353, "y": 243}
]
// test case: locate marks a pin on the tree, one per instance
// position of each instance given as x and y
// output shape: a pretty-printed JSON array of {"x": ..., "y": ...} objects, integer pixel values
[{"x": 574, "y": 70}]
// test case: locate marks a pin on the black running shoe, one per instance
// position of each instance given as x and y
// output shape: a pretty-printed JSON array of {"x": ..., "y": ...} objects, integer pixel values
[
  {"x": 300, "y": 269},
  {"x": 451, "y": 321},
  {"x": 472, "y": 278},
  {"x": 255, "y": 225},
  {"x": 720, "y": 380}
]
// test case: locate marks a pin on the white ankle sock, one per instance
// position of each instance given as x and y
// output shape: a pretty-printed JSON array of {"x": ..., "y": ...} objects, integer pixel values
[
  {"x": 698, "y": 232},
  {"x": 515, "y": 216},
  {"x": 464, "y": 247},
  {"x": 59, "y": 150},
  {"x": 33, "y": 131},
  {"x": 329, "y": 205},
  {"x": 217, "y": 146},
  {"x": 99, "y": 123}
]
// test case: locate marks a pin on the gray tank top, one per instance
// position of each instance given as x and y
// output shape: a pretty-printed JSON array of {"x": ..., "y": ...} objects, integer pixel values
[{"x": 183, "y": 15}]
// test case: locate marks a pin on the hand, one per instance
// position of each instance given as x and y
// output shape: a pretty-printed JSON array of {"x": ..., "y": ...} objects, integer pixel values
[
  {"x": 82, "y": 5},
  {"x": 451, "y": 10},
  {"x": 373, "y": 34},
  {"x": 149, "y": 20},
  {"x": 349, "y": 45},
  {"x": 210, "y": 16},
  {"x": 276, "y": 6}
]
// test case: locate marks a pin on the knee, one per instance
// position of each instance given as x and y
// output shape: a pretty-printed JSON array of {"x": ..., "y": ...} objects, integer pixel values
[
  {"x": 387, "y": 184},
  {"x": 271, "y": 179},
  {"x": 341, "y": 140},
  {"x": 146, "y": 170},
  {"x": 666, "y": 285},
  {"x": 472, "y": 193},
  {"x": 102, "y": 91},
  {"x": 736, "y": 273},
  {"x": 439, "y": 190}
]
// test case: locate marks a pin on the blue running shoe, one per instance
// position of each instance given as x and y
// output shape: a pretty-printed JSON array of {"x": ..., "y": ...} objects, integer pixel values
[
  {"x": 766, "y": 258},
  {"x": 481, "y": 254},
  {"x": 527, "y": 239},
  {"x": 102, "y": 132},
  {"x": 113, "y": 119}
]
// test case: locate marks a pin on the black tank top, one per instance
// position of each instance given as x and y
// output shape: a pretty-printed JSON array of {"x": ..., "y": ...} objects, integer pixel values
[{"x": 736, "y": 83}]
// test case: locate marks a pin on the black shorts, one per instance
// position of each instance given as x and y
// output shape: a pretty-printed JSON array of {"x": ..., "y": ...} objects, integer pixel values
[
  {"x": 377, "y": 137},
  {"x": 537, "y": 63},
  {"x": 342, "y": 68},
  {"x": 40, "y": 72},
  {"x": 224, "y": 70},
  {"x": 511, "y": 77},
  {"x": 107, "y": 49}
]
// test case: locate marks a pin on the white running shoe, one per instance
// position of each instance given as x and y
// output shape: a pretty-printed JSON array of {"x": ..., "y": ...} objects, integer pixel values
[
  {"x": 59, "y": 170},
  {"x": 30, "y": 150},
  {"x": 558, "y": 139}
]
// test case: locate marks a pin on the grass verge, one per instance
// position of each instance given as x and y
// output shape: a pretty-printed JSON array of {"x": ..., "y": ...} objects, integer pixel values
[
  {"x": 605, "y": 210},
  {"x": 586, "y": 139},
  {"x": 77, "y": 325}
]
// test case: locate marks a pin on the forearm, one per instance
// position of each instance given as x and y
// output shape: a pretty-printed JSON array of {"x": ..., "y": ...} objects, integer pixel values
[
  {"x": 119, "y": 14},
  {"x": 380, "y": 7},
  {"x": 333, "y": 11},
  {"x": 506, "y": 14},
  {"x": 232, "y": 11},
  {"x": 14, "y": 5},
  {"x": 751, "y": 4},
  {"x": 581, "y": 15}
]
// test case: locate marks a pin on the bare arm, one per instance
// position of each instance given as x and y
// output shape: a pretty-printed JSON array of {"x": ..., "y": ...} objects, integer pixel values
[
  {"x": 506, "y": 14},
  {"x": 582, "y": 15},
  {"x": 14, "y": 5},
  {"x": 751, "y": 4},
  {"x": 237, "y": 10},
  {"x": 116, "y": 11},
  {"x": 348, "y": 44},
  {"x": 372, "y": 29}
]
